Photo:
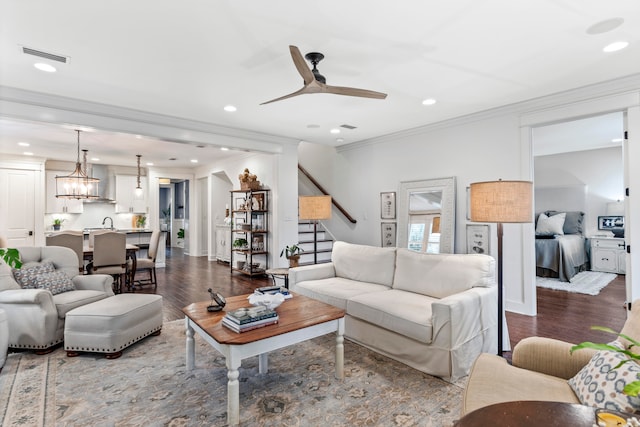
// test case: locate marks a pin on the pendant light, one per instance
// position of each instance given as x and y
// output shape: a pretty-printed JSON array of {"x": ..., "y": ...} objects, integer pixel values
[
  {"x": 77, "y": 185},
  {"x": 138, "y": 187}
]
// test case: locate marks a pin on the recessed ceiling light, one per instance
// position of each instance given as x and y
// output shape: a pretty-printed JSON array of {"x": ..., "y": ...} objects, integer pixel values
[
  {"x": 224, "y": 149},
  {"x": 138, "y": 136},
  {"x": 230, "y": 108},
  {"x": 605, "y": 26},
  {"x": 615, "y": 46},
  {"x": 23, "y": 144},
  {"x": 95, "y": 159},
  {"x": 617, "y": 140},
  {"x": 335, "y": 131},
  {"x": 194, "y": 160},
  {"x": 313, "y": 126},
  {"x": 339, "y": 139},
  {"x": 45, "y": 67},
  {"x": 149, "y": 163},
  {"x": 28, "y": 153},
  {"x": 429, "y": 101}
]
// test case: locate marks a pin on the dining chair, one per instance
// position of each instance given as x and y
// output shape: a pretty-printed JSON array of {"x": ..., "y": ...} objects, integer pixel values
[
  {"x": 73, "y": 239},
  {"x": 110, "y": 257},
  {"x": 149, "y": 262},
  {"x": 94, "y": 233}
]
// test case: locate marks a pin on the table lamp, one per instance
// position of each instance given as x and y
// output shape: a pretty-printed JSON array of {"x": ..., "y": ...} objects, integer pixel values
[
  {"x": 500, "y": 202},
  {"x": 314, "y": 208}
]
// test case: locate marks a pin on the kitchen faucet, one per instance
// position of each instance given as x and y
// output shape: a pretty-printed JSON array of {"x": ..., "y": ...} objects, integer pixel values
[{"x": 108, "y": 218}]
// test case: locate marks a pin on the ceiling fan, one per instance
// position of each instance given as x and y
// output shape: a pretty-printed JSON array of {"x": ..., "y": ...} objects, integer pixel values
[{"x": 314, "y": 82}]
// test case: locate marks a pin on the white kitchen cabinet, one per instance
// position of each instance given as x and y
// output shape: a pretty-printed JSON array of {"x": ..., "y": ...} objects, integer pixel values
[
  {"x": 608, "y": 254},
  {"x": 59, "y": 205},
  {"x": 223, "y": 243},
  {"x": 127, "y": 201}
]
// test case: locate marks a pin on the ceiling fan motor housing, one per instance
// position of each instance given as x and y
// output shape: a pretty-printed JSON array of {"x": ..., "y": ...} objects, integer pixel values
[{"x": 315, "y": 58}]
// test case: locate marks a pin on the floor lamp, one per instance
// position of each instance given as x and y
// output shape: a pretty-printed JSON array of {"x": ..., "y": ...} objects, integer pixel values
[
  {"x": 500, "y": 202},
  {"x": 314, "y": 208}
]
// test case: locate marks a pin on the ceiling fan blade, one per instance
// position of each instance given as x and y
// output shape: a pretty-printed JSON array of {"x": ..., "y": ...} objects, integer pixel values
[
  {"x": 352, "y": 91},
  {"x": 301, "y": 65},
  {"x": 291, "y": 95}
]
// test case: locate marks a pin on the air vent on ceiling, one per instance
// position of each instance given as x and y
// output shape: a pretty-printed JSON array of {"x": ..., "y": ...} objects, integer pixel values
[
  {"x": 47, "y": 55},
  {"x": 347, "y": 126}
]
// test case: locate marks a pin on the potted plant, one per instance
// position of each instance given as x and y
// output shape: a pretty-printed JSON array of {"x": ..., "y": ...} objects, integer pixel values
[
  {"x": 57, "y": 222},
  {"x": 292, "y": 253},
  {"x": 180, "y": 240},
  {"x": 240, "y": 243},
  {"x": 11, "y": 256}
]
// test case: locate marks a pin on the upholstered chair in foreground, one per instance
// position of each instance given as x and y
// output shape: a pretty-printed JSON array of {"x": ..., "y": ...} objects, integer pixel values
[{"x": 52, "y": 287}]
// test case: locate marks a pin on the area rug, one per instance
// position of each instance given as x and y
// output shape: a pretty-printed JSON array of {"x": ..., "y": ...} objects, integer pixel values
[
  {"x": 585, "y": 282},
  {"x": 149, "y": 386}
]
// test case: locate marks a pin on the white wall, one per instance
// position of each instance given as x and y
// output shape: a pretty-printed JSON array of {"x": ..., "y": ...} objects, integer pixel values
[{"x": 601, "y": 171}]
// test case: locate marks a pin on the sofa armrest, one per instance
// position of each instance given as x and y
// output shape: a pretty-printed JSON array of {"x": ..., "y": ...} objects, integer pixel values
[
  {"x": 39, "y": 297},
  {"x": 460, "y": 317},
  {"x": 310, "y": 272},
  {"x": 550, "y": 356},
  {"x": 94, "y": 282}
]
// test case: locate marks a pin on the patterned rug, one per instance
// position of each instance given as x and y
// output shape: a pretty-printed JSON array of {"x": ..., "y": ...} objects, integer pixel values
[
  {"x": 585, "y": 282},
  {"x": 149, "y": 386}
]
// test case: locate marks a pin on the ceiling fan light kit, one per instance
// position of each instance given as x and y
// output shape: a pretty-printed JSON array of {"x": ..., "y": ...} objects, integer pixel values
[{"x": 314, "y": 82}]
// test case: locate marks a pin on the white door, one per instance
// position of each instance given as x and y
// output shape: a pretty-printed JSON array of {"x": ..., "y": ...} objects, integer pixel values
[{"x": 17, "y": 194}]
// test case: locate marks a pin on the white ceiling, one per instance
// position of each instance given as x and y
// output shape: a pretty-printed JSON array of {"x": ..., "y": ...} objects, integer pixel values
[{"x": 189, "y": 59}]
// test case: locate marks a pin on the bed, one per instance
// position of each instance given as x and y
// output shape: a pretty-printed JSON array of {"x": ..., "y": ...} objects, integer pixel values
[{"x": 561, "y": 248}]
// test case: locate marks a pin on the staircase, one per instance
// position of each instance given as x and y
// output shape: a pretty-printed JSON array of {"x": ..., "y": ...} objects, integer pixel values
[{"x": 305, "y": 241}]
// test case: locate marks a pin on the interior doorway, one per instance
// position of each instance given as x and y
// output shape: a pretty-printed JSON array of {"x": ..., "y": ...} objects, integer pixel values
[{"x": 578, "y": 167}]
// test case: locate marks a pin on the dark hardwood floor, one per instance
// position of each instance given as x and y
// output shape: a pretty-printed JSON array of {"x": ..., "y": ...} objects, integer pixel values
[{"x": 561, "y": 315}]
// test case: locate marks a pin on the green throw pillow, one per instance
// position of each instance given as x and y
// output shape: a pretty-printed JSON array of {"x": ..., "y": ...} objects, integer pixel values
[{"x": 600, "y": 386}]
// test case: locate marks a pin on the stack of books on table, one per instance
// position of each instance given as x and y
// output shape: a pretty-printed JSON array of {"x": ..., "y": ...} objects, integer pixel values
[{"x": 247, "y": 319}]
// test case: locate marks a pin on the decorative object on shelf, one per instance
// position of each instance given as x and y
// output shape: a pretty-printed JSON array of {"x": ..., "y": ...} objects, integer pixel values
[
  {"x": 388, "y": 205},
  {"x": 315, "y": 208},
  {"x": 11, "y": 257},
  {"x": 240, "y": 243},
  {"x": 57, "y": 222},
  {"x": 248, "y": 181},
  {"x": 500, "y": 202},
  {"x": 77, "y": 185},
  {"x": 292, "y": 253},
  {"x": 138, "y": 187},
  {"x": 388, "y": 234},
  {"x": 270, "y": 301},
  {"x": 217, "y": 301}
]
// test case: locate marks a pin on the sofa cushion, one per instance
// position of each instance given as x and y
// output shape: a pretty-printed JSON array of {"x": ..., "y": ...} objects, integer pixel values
[
  {"x": 364, "y": 263},
  {"x": 27, "y": 276},
  {"x": 56, "y": 282},
  {"x": 482, "y": 389},
  {"x": 403, "y": 312},
  {"x": 67, "y": 301},
  {"x": 599, "y": 385},
  {"x": 442, "y": 275},
  {"x": 336, "y": 290}
]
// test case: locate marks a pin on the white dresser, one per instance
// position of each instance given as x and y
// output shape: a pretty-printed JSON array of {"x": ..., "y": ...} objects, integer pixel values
[
  {"x": 608, "y": 254},
  {"x": 223, "y": 243}
]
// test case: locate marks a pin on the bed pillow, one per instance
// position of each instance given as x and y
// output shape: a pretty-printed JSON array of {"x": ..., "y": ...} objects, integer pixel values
[
  {"x": 600, "y": 386},
  {"x": 550, "y": 226},
  {"x": 572, "y": 222}
]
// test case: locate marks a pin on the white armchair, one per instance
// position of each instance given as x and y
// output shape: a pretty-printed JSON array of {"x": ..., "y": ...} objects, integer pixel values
[{"x": 35, "y": 316}]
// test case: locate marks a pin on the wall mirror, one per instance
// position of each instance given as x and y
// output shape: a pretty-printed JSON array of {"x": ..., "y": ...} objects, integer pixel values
[{"x": 427, "y": 215}]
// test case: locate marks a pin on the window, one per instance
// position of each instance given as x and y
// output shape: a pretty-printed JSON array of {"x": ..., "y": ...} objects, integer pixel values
[{"x": 421, "y": 235}]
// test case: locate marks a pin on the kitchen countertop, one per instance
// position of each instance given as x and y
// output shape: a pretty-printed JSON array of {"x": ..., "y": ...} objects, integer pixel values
[{"x": 86, "y": 231}]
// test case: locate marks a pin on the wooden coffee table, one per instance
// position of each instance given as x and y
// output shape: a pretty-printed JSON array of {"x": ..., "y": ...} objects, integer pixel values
[
  {"x": 300, "y": 319},
  {"x": 529, "y": 413}
]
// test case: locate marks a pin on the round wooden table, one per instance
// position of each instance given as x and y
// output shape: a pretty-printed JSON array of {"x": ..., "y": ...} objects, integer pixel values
[{"x": 530, "y": 414}]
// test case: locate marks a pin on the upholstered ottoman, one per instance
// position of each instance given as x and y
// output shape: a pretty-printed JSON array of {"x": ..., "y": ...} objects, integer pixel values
[{"x": 112, "y": 324}]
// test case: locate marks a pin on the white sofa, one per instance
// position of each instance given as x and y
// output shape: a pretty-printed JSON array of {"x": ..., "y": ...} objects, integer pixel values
[
  {"x": 35, "y": 316},
  {"x": 434, "y": 312}
]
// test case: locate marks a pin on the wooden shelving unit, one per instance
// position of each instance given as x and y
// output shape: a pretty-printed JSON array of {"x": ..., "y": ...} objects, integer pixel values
[{"x": 250, "y": 221}]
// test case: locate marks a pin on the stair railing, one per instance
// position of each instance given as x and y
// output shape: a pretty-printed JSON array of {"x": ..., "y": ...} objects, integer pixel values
[{"x": 323, "y": 191}]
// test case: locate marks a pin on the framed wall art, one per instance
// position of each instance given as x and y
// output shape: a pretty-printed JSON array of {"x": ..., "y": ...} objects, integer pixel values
[
  {"x": 478, "y": 239},
  {"x": 388, "y": 205},
  {"x": 388, "y": 234}
]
